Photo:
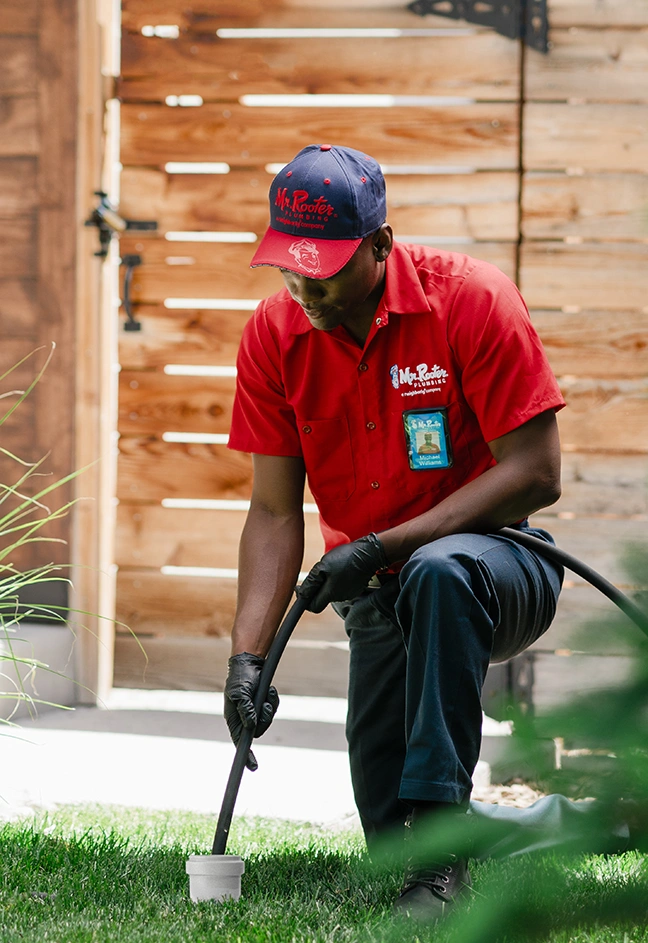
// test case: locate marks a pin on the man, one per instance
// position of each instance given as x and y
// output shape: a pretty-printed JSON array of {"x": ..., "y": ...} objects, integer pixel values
[{"x": 369, "y": 346}]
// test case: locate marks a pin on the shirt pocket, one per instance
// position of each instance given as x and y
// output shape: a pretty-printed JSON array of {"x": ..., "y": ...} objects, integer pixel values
[{"x": 328, "y": 457}]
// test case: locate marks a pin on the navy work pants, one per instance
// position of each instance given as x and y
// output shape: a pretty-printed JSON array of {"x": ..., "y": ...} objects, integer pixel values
[{"x": 420, "y": 646}]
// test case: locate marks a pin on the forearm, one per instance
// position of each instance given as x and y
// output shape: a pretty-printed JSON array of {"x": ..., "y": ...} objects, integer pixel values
[
  {"x": 270, "y": 556},
  {"x": 502, "y": 495}
]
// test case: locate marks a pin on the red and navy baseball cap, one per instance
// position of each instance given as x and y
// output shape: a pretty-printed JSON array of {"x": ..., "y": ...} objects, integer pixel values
[{"x": 322, "y": 205}]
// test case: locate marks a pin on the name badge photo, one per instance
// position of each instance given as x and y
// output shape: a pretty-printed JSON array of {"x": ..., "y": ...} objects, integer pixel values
[{"x": 428, "y": 438}]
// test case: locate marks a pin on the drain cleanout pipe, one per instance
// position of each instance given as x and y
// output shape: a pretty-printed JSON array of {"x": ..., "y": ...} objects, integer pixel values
[{"x": 267, "y": 673}]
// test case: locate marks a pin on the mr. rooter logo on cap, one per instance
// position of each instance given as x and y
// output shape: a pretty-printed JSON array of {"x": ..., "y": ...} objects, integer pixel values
[{"x": 301, "y": 206}]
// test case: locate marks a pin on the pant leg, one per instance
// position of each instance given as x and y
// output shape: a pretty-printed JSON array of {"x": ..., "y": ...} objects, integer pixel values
[
  {"x": 508, "y": 616},
  {"x": 465, "y": 599},
  {"x": 376, "y": 711}
]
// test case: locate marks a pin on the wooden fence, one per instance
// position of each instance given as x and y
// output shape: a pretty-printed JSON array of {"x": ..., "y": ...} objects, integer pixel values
[{"x": 536, "y": 163}]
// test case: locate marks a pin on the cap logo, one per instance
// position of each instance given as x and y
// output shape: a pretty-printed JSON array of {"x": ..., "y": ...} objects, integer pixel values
[
  {"x": 299, "y": 203},
  {"x": 306, "y": 255}
]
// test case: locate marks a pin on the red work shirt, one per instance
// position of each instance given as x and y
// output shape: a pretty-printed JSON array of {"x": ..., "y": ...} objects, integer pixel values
[{"x": 450, "y": 331}]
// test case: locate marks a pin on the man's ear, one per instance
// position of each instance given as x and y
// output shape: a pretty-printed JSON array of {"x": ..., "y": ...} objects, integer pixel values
[{"x": 383, "y": 240}]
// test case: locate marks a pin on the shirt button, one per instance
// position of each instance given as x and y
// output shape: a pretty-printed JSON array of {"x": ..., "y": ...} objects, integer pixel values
[
  {"x": 363, "y": 367},
  {"x": 375, "y": 484},
  {"x": 371, "y": 426},
  {"x": 378, "y": 321},
  {"x": 306, "y": 429}
]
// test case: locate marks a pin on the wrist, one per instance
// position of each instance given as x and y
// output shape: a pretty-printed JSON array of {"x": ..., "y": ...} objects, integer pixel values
[{"x": 380, "y": 554}]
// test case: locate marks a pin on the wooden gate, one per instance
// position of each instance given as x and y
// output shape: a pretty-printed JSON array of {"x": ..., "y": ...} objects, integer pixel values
[{"x": 216, "y": 96}]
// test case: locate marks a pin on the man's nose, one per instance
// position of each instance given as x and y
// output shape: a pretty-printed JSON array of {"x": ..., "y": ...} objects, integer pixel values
[{"x": 306, "y": 290}]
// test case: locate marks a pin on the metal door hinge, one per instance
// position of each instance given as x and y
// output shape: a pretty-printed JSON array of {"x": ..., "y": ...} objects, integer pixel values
[{"x": 517, "y": 19}]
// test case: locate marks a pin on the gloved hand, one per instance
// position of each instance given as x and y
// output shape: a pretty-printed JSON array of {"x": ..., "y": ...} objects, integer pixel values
[
  {"x": 343, "y": 572},
  {"x": 240, "y": 688}
]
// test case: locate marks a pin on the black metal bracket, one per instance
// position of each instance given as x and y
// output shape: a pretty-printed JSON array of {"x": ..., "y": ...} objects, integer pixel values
[
  {"x": 130, "y": 262},
  {"x": 109, "y": 223},
  {"x": 517, "y": 19}
]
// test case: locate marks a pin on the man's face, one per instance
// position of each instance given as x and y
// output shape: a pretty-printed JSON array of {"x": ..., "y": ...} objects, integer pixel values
[{"x": 329, "y": 302}]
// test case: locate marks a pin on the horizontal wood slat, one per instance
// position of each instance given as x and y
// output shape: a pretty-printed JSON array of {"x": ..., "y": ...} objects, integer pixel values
[
  {"x": 155, "y": 403},
  {"x": 558, "y": 679},
  {"x": 599, "y": 13},
  {"x": 599, "y": 208},
  {"x": 18, "y": 126},
  {"x": 601, "y": 277},
  {"x": 196, "y": 337},
  {"x": 605, "y": 553},
  {"x": 604, "y": 415},
  {"x": 594, "y": 65},
  {"x": 222, "y": 270},
  {"x": 586, "y": 343},
  {"x": 603, "y": 485},
  {"x": 151, "y": 603},
  {"x": 479, "y": 206},
  {"x": 213, "y": 14},
  {"x": 587, "y": 621},
  {"x": 481, "y": 135},
  {"x": 157, "y": 536},
  {"x": 18, "y": 247},
  {"x": 18, "y": 186},
  {"x": 483, "y": 66},
  {"x": 19, "y": 58},
  {"x": 183, "y": 607},
  {"x": 218, "y": 270},
  {"x": 150, "y": 470},
  {"x": 199, "y": 664},
  {"x": 595, "y": 343},
  {"x": 18, "y": 305},
  {"x": 592, "y": 137},
  {"x": 18, "y": 17}
]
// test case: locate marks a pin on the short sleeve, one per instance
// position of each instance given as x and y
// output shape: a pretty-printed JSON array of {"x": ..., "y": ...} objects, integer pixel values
[
  {"x": 506, "y": 377},
  {"x": 262, "y": 421}
]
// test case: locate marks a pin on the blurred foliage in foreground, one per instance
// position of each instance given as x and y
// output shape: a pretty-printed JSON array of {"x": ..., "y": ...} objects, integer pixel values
[{"x": 533, "y": 897}]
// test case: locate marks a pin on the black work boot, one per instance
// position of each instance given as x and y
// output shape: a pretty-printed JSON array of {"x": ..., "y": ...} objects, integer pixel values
[{"x": 433, "y": 882}]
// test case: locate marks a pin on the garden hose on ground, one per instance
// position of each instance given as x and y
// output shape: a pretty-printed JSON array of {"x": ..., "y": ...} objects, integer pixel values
[{"x": 631, "y": 609}]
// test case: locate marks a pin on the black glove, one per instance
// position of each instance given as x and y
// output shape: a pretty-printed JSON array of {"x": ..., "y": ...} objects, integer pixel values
[
  {"x": 240, "y": 689},
  {"x": 343, "y": 572}
]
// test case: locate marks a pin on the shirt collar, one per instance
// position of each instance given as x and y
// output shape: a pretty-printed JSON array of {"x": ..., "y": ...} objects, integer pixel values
[{"x": 403, "y": 291}]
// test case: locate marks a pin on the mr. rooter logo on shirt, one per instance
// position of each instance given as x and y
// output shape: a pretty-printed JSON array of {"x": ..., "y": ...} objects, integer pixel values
[{"x": 420, "y": 379}]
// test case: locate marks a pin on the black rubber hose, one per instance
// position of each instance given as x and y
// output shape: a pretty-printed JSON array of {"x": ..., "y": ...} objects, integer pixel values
[
  {"x": 267, "y": 673},
  {"x": 631, "y": 609}
]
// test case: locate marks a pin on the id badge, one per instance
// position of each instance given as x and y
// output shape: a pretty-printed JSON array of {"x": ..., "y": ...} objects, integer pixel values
[{"x": 428, "y": 438}]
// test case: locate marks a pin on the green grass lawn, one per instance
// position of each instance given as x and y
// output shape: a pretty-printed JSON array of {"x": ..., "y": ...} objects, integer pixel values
[{"x": 98, "y": 874}]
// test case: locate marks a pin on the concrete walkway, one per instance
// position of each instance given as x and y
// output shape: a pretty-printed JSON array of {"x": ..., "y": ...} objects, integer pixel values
[{"x": 171, "y": 750}]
